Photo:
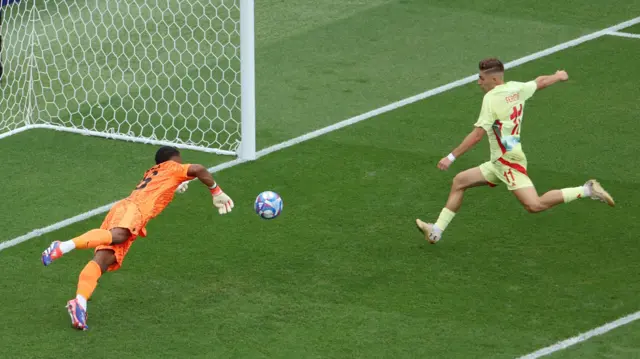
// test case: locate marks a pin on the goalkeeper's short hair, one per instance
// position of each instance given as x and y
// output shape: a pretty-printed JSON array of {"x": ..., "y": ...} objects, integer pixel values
[{"x": 165, "y": 153}]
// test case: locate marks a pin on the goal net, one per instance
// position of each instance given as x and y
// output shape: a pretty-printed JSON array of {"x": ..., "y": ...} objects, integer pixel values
[{"x": 174, "y": 72}]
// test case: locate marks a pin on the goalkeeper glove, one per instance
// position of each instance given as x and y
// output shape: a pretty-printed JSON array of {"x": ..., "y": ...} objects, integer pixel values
[
  {"x": 182, "y": 188},
  {"x": 220, "y": 199}
]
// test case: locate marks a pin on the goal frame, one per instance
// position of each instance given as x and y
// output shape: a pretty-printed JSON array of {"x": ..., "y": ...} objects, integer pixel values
[{"x": 246, "y": 149}]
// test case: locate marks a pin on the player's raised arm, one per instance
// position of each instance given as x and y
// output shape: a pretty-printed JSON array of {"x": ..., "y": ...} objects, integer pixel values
[
  {"x": 548, "y": 80},
  {"x": 221, "y": 201}
]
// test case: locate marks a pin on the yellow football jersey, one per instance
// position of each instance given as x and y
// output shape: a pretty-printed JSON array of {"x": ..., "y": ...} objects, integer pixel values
[{"x": 501, "y": 116}]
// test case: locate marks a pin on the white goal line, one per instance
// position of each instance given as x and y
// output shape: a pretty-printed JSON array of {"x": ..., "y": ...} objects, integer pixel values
[{"x": 624, "y": 34}]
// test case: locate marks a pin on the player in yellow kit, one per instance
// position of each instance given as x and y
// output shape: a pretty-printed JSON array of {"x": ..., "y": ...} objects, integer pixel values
[{"x": 501, "y": 119}]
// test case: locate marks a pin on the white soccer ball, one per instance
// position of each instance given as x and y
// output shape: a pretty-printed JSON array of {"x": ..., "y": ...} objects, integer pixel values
[{"x": 268, "y": 205}]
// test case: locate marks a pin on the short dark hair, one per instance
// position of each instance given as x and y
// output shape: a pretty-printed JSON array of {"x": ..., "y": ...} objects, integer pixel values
[
  {"x": 491, "y": 65},
  {"x": 165, "y": 153}
]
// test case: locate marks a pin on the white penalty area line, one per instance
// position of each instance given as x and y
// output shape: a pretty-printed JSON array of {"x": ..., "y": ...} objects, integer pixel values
[
  {"x": 624, "y": 34},
  {"x": 583, "y": 337},
  {"x": 348, "y": 122}
]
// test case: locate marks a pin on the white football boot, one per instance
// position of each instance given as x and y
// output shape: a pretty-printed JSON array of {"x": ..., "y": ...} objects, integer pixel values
[
  {"x": 428, "y": 231},
  {"x": 599, "y": 193}
]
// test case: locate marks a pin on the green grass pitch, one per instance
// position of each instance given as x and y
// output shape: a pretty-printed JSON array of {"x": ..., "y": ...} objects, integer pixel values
[{"x": 343, "y": 273}]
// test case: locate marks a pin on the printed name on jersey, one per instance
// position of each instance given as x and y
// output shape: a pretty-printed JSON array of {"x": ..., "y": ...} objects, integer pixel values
[{"x": 513, "y": 98}]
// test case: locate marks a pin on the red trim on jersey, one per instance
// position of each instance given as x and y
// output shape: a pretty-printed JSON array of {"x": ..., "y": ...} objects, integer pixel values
[
  {"x": 515, "y": 117},
  {"x": 502, "y": 148},
  {"x": 491, "y": 184},
  {"x": 515, "y": 166}
]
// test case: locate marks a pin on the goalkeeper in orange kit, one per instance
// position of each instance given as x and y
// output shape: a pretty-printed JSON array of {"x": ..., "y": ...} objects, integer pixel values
[{"x": 127, "y": 220}]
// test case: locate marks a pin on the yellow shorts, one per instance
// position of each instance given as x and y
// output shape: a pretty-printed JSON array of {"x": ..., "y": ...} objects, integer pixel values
[{"x": 514, "y": 175}]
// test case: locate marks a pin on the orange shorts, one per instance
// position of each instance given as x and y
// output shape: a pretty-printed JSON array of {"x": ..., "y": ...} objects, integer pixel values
[{"x": 124, "y": 214}]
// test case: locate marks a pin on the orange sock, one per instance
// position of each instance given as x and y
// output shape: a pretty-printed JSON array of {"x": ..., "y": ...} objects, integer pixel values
[
  {"x": 92, "y": 239},
  {"x": 88, "y": 279}
]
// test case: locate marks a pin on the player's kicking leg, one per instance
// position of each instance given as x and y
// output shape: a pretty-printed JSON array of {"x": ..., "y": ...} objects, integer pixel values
[
  {"x": 534, "y": 203},
  {"x": 462, "y": 181}
]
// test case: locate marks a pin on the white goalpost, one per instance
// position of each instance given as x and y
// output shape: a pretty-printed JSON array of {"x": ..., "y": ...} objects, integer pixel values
[{"x": 163, "y": 72}]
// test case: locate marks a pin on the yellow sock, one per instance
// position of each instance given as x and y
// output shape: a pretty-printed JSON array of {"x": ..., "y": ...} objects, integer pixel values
[
  {"x": 445, "y": 217},
  {"x": 571, "y": 194},
  {"x": 92, "y": 239},
  {"x": 88, "y": 280}
]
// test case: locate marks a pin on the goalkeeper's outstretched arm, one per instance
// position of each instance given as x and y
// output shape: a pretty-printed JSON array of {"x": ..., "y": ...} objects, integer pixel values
[
  {"x": 200, "y": 172},
  {"x": 221, "y": 201}
]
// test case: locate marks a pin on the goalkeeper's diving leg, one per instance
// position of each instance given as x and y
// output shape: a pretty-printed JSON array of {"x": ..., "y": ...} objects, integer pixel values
[{"x": 115, "y": 239}]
